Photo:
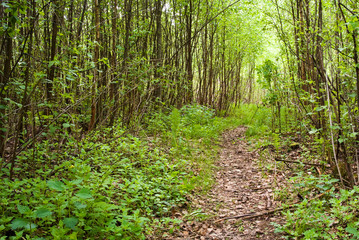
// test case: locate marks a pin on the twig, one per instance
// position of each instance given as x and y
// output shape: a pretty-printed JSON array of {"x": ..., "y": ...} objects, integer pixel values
[
  {"x": 310, "y": 164},
  {"x": 270, "y": 146},
  {"x": 331, "y": 128},
  {"x": 253, "y": 215}
]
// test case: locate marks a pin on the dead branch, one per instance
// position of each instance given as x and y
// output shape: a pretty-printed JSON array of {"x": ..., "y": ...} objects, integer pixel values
[
  {"x": 253, "y": 215},
  {"x": 310, "y": 164}
]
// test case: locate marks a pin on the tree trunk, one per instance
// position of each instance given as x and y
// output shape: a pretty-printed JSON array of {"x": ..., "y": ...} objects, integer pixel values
[
  {"x": 4, "y": 78},
  {"x": 56, "y": 21},
  {"x": 95, "y": 71},
  {"x": 189, "y": 80}
]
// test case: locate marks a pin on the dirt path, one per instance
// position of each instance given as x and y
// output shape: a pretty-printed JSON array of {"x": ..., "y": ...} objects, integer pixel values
[{"x": 240, "y": 188}]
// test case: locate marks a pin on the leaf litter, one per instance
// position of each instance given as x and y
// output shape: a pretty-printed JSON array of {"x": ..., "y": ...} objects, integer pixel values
[{"x": 240, "y": 189}]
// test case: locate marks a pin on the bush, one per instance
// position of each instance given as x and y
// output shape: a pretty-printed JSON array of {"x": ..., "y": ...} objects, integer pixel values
[
  {"x": 104, "y": 187},
  {"x": 110, "y": 185}
]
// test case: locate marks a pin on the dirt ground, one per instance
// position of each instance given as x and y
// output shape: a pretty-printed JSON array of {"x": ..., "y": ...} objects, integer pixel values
[{"x": 240, "y": 188}]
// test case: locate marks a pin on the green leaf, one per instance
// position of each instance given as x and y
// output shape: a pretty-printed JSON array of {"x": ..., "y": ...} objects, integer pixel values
[
  {"x": 56, "y": 185},
  {"x": 71, "y": 222},
  {"x": 30, "y": 226},
  {"x": 5, "y": 5},
  {"x": 84, "y": 193},
  {"x": 77, "y": 181},
  {"x": 66, "y": 125},
  {"x": 353, "y": 135},
  {"x": 43, "y": 212},
  {"x": 55, "y": 62},
  {"x": 352, "y": 95},
  {"x": 18, "y": 223},
  {"x": 23, "y": 209},
  {"x": 72, "y": 236},
  {"x": 22, "y": 223},
  {"x": 342, "y": 49},
  {"x": 79, "y": 205},
  {"x": 106, "y": 206},
  {"x": 352, "y": 230},
  {"x": 313, "y": 131}
]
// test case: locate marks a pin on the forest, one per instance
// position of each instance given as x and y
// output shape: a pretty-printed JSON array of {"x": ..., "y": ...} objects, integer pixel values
[{"x": 179, "y": 119}]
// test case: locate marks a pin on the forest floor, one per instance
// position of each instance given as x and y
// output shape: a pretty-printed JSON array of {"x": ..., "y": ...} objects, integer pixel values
[{"x": 240, "y": 188}]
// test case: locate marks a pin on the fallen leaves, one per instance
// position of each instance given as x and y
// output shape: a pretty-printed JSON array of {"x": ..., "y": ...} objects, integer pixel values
[{"x": 240, "y": 189}]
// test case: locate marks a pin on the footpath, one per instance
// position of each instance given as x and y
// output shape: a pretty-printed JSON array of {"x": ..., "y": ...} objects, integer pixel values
[{"x": 241, "y": 191}]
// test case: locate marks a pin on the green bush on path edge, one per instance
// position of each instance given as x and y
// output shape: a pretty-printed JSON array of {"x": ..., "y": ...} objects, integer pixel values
[{"x": 111, "y": 185}]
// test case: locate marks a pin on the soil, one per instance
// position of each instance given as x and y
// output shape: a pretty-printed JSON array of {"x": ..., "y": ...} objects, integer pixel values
[{"x": 241, "y": 188}]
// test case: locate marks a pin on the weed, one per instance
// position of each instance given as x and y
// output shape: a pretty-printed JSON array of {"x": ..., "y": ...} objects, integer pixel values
[
  {"x": 111, "y": 184},
  {"x": 333, "y": 216}
]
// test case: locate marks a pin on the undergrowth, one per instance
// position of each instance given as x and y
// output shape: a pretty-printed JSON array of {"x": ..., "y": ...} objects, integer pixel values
[
  {"x": 112, "y": 184},
  {"x": 326, "y": 211}
]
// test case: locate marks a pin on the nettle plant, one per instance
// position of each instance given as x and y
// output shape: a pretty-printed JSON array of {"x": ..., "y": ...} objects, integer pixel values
[
  {"x": 333, "y": 216},
  {"x": 107, "y": 186},
  {"x": 61, "y": 209}
]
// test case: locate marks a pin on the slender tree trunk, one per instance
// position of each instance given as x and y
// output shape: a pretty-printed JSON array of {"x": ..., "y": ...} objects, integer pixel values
[
  {"x": 114, "y": 97},
  {"x": 79, "y": 30},
  {"x": 158, "y": 50},
  {"x": 189, "y": 80},
  {"x": 96, "y": 57},
  {"x": 56, "y": 21},
  {"x": 124, "y": 69},
  {"x": 4, "y": 78}
]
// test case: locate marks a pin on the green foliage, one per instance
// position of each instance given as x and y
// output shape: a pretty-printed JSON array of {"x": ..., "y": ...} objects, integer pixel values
[
  {"x": 269, "y": 71},
  {"x": 197, "y": 114},
  {"x": 191, "y": 122},
  {"x": 110, "y": 185},
  {"x": 106, "y": 186},
  {"x": 198, "y": 122},
  {"x": 190, "y": 131},
  {"x": 256, "y": 118},
  {"x": 175, "y": 118},
  {"x": 332, "y": 216}
]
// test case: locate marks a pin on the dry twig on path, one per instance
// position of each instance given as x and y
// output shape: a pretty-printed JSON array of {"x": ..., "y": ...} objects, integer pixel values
[
  {"x": 310, "y": 164},
  {"x": 253, "y": 215}
]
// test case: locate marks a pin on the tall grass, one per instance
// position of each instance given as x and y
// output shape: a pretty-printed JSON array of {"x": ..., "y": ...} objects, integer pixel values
[
  {"x": 260, "y": 120},
  {"x": 256, "y": 118}
]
